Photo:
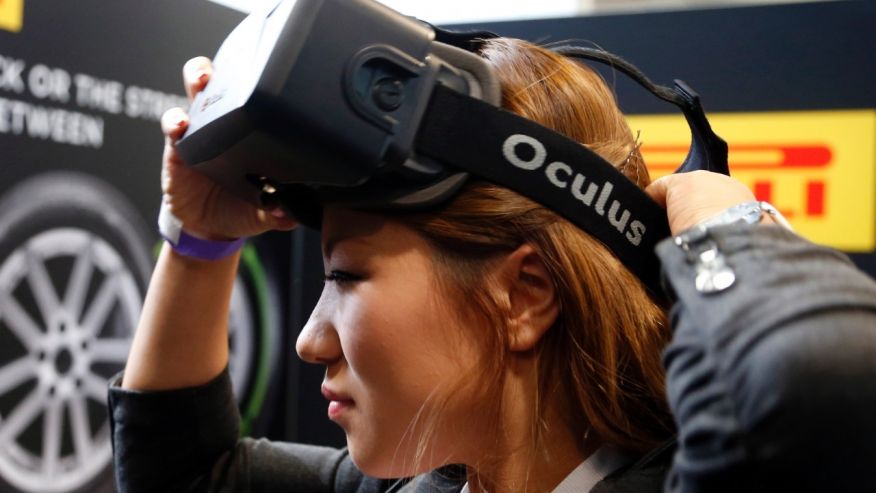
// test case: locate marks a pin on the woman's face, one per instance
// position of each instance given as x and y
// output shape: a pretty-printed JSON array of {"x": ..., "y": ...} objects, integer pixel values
[{"x": 393, "y": 345}]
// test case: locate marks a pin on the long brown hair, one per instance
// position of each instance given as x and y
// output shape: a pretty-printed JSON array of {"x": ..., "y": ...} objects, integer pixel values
[{"x": 603, "y": 352}]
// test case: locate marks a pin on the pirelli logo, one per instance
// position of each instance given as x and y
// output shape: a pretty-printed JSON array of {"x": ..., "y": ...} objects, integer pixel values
[
  {"x": 817, "y": 167},
  {"x": 11, "y": 15}
]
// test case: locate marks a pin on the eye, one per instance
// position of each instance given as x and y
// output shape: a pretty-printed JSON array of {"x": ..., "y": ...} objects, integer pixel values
[{"x": 341, "y": 277}]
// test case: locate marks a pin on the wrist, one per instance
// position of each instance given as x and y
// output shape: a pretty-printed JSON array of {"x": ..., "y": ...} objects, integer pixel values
[
  {"x": 751, "y": 212},
  {"x": 713, "y": 273},
  {"x": 192, "y": 245}
]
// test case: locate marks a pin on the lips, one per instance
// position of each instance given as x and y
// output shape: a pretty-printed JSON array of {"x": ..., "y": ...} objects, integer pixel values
[{"x": 338, "y": 403}]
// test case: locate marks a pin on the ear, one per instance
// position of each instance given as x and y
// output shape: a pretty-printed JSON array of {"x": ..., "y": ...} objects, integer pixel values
[{"x": 531, "y": 295}]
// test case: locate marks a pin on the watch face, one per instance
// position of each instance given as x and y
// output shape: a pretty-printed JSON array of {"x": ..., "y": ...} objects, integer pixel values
[{"x": 749, "y": 212}]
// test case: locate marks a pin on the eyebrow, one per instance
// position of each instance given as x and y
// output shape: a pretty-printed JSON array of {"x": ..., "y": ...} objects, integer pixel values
[
  {"x": 359, "y": 229},
  {"x": 333, "y": 241},
  {"x": 330, "y": 244}
]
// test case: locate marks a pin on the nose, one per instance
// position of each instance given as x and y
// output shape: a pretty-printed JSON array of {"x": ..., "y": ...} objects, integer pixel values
[{"x": 318, "y": 341}]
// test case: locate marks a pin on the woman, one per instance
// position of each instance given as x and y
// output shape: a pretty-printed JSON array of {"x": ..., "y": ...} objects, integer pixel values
[{"x": 490, "y": 345}]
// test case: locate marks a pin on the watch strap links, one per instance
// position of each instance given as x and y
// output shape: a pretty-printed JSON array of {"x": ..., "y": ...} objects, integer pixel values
[{"x": 713, "y": 273}]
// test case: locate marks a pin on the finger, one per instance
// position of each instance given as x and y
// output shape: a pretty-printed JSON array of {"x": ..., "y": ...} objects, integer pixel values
[
  {"x": 196, "y": 74},
  {"x": 285, "y": 224},
  {"x": 658, "y": 189},
  {"x": 277, "y": 212},
  {"x": 279, "y": 219},
  {"x": 174, "y": 123},
  {"x": 276, "y": 218}
]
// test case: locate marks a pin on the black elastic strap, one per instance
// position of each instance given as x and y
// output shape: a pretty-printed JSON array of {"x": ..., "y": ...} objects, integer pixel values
[
  {"x": 471, "y": 41},
  {"x": 707, "y": 150},
  {"x": 568, "y": 179}
]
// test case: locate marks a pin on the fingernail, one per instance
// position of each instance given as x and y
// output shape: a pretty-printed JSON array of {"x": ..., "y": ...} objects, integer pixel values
[
  {"x": 175, "y": 118},
  {"x": 201, "y": 75},
  {"x": 180, "y": 116},
  {"x": 278, "y": 213}
]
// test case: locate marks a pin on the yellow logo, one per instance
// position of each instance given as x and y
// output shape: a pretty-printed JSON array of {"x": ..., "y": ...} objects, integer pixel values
[
  {"x": 11, "y": 15},
  {"x": 817, "y": 167}
]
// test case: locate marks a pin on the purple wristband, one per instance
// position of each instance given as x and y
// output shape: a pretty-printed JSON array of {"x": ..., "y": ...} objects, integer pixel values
[
  {"x": 183, "y": 243},
  {"x": 191, "y": 246}
]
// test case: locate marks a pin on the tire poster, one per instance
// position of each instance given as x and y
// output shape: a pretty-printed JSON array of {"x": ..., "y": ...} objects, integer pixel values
[{"x": 82, "y": 87}]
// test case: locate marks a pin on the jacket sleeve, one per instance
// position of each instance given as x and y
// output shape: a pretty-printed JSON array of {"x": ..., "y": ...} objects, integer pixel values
[
  {"x": 772, "y": 382},
  {"x": 186, "y": 440}
]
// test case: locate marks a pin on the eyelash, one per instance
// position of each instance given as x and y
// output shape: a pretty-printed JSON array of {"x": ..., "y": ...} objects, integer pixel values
[{"x": 340, "y": 277}]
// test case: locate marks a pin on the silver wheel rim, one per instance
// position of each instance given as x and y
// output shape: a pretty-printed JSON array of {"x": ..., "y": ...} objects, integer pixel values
[
  {"x": 241, "y": 339},
  {"x": 61, "y": 357}
]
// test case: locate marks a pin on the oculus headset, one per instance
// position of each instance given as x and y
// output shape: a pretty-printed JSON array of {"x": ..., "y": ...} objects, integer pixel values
[{"x": 348, "y": 102}]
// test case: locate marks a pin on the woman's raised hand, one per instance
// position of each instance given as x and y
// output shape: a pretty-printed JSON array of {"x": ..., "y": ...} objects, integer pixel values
[
  {"x": 691, "y": 198},
  {"x": 206, "y": 209}
]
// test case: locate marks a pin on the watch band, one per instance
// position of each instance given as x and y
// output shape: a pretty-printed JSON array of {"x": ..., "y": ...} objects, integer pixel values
[
  {"x": 749, "y": 213},
  {"x": 713, "y": 273},
  {"x": 171, "y": 229}
]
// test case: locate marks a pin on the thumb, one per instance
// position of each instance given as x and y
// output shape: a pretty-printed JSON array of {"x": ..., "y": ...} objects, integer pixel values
[{"x": 277, "y": 218}]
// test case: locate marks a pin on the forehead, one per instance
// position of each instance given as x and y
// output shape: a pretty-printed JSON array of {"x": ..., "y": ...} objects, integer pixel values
[{"x": 380, "y": 233}]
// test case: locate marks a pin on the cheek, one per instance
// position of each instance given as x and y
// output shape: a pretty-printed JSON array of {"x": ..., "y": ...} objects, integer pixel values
[
  {"x": 380, "y": 334},
  {"x": 399, "y": 341},
  {"x": 406, "y": 351}
]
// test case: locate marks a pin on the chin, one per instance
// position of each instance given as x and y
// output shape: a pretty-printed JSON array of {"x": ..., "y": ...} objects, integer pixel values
[{"x": 382, "y": 461}]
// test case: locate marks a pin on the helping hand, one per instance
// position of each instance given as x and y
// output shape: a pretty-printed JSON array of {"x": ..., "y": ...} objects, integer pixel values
[{"x": 691, "y": 198}]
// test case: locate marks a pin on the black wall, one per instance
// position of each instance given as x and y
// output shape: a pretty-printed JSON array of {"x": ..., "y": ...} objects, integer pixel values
[{"x": 780, "y": 57}]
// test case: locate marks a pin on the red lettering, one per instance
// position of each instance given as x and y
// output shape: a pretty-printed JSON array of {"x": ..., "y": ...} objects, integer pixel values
[
  {"x": 786, "y": 156},
  {"x": 815, "y": 198},
  {"x": 763, "y": 190},
  {"x": 790, "y": 156}
]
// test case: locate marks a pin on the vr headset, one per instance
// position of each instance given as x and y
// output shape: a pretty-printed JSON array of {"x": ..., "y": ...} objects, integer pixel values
[{"x": 347, "y": 102}]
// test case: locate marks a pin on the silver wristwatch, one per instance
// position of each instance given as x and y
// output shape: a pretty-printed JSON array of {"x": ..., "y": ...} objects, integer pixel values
[{"x": 713, "y": 273}]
